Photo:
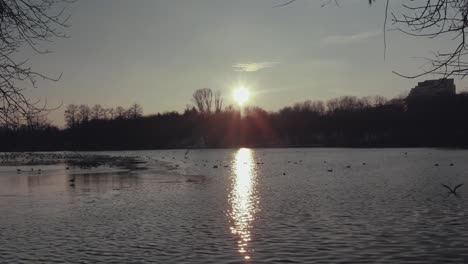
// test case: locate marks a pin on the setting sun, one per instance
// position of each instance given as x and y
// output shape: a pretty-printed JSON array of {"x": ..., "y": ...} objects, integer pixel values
[{"x": 241, "y": 95}]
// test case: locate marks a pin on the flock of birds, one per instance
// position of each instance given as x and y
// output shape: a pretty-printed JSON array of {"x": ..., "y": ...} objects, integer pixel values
[
  {"x": 204, "y": 163},
  {"x": 38, "y": 171},
  {"x": 6, "y": 157}
]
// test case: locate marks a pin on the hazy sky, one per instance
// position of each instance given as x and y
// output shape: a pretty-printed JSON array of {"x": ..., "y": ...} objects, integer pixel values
[{"x": 157, "y": 52}]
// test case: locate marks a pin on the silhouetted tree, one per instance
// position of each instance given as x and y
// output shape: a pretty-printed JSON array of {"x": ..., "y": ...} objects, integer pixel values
[
  {"x": 120, "y": 112},
  {"x": 345, "y": 103},
  {"x": 203, "y": 99},
  {"x": 38, "y": 121},
  {"x": 109, "y": 113},
  {"x": 230, "y": 108},
  {"x": 97, "y": 112},
  {"x": 218, "y": 102},
  {"x": 190, "y": 110},
  {"x": 135, "y": 111},
  {"x": 24, "y": 23},
  {"x": 445, "y": 19},
  {"x": 84, "y": 113},
  {"x": 348, "y": 121},
  {"x": 310, "y": 106},
  {"x": 432, "y": 19},
  {"x": 71, "y": 115}
]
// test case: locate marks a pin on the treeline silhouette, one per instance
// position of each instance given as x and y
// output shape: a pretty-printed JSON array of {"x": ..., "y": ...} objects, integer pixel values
[{"x": 346, "y": 121}]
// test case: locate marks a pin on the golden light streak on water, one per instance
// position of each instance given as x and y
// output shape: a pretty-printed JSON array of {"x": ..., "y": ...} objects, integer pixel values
[{"x": 243, "y": 200}]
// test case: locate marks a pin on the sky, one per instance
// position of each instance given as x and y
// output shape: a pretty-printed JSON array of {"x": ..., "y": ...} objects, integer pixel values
[{"x": 158, "y": 52}]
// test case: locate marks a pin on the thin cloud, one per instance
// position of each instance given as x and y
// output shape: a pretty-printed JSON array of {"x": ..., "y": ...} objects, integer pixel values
[
  {"x": 354, "y": 38},
  {"x": 253, "y": 67}
]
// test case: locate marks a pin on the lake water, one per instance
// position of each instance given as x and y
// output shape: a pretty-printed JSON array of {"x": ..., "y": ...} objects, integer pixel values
[{"x": 257, "y": 206}]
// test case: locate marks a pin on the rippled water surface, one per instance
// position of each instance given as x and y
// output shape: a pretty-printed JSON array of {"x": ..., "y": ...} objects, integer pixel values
[{"x": 241, "y": 205}]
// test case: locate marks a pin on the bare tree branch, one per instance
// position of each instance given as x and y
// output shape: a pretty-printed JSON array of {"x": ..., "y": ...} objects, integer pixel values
[
  {"x": 25, "y": 23},
  {"x": 445, "y": 19}
]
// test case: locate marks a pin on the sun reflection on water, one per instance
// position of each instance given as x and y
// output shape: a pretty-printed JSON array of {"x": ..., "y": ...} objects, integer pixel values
[{"x": 243, "y": 200}]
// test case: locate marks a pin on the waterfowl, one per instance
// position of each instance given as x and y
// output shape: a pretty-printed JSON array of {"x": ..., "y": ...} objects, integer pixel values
[{"x": 454, "y": 190}]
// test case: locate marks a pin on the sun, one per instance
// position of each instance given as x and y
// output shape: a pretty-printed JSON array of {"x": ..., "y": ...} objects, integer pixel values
[{"x": 241, "y": 95}]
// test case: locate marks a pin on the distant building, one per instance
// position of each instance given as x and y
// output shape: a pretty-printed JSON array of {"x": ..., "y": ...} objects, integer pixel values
[{"x": 430, "y": 88}]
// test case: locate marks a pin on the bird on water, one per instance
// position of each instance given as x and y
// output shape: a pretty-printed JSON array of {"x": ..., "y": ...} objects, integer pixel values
[
  {"x": 454, "y": 190},
  {"x": 72, "y": 181}
]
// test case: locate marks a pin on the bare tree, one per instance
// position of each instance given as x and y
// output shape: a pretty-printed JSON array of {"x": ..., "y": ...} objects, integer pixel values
[
  {"x": 25, "y": 23},
  {"x": 97, "y": 112},
  {"x": 379, "y": 100},
  {"x": 447, "y": 19},
  {"x": 433, "y": 19},
  {"x": 135, "y": 111},
  {"x": 218, "y": 102},
  {"x": 203, "y": 99},
  {"x": 255, "y": 111},
  {"x": 84, "y": 113},
  {"x": 71, "y": 115},
  {"x": 109, "y": 113},
  {"x": 444, "y": 19},
  {"x": 345, "y": 103},
  {"x": 120, "y": 112},
  {"x": 310, "y": 106},
  {"x": 230, "y": 109},
  {"x": 37, "y": 121}
]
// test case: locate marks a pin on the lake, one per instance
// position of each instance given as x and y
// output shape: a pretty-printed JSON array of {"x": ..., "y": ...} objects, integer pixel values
[{"x": 240, "y": 206}]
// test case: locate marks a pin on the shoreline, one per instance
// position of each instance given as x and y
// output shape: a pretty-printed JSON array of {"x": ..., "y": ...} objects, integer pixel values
[{"x": 236, "y": 147}]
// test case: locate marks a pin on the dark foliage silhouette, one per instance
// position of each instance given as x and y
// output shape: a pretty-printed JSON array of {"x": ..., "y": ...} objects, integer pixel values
[{"x": 346, "y": 121}]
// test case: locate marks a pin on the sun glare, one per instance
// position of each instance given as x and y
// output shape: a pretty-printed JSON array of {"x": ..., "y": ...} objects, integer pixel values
[{"x": 241, "y": 95}]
